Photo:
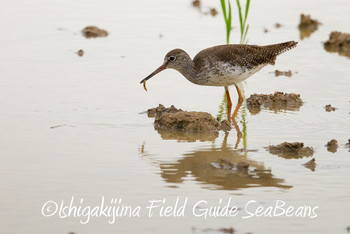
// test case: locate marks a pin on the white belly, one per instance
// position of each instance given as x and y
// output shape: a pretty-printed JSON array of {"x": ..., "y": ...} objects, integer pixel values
[{"x": 223, "y": 74}]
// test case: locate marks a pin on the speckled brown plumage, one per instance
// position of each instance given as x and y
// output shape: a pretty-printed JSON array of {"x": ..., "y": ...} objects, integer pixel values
[{"x": 248, "y": 56}]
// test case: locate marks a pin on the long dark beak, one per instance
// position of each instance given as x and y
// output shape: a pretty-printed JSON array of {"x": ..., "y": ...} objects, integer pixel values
[{"x": 159, "y": 69}]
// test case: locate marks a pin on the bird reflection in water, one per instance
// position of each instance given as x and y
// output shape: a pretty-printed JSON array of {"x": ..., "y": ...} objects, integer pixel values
[{"x": 199, "y": 165}]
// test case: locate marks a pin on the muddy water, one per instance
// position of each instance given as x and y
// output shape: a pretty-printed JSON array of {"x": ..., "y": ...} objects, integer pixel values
[{"x": 70, "y": 125}]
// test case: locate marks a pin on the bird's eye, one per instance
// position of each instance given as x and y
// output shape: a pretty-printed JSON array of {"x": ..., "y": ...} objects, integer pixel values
[{"x": 171, "y": 58}]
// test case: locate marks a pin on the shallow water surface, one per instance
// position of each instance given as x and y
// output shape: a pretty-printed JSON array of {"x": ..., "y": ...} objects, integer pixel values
[{"x": 72, "y": 128}]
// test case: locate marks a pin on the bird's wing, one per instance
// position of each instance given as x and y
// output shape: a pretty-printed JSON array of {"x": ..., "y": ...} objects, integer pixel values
[{"x": 248, "y": 56}]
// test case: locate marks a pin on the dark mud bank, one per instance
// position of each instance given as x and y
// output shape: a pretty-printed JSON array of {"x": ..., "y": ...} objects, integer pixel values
[
  {"x": 93, "y": 31},
  {"x": 307, "y": 26},
  {"x": 291, "y": 150},
  {"x": 175, "y": 124},
  {"x": 338, "y": 42},
  {"x": 174, "y": 119},
  {"x": 277, "y": 101}
]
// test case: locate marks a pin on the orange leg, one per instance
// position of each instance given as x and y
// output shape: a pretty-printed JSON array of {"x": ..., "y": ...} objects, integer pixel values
[
  {"x": 229, "y": 104},
  {"x": 240, "y": 101}
]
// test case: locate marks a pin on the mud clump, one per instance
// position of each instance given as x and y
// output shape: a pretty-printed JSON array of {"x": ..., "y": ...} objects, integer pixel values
[
  {"x": 307, "y": 26},
  {"x": 291, "y": 150},
  {"x": 93, "y": 31},
  {"x": 175, "y": 124},
  {"x": 277, "y": 101},
  {"x": 187, "y": 121},
  {"x": 306, "y": 22},
  {"x": 213, "y": 12},
  {"x": 278, "y": 25},
  {"x": 158, "y": 111},
  {"x": 80, "y": 52},
  {"x": 348, "y": 144},
  {"x": 332, "y": 146},
  {"x": 283, "y": 73},
  {"x": 311, "y": 164},
  {"x": 196, "y": 3},
  {"x": 338, "y": 42},
  {"x": 329, "y": 108}
]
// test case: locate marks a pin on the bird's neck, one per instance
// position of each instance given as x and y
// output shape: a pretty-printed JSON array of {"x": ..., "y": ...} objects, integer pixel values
[{"x": 189, "y": 71}]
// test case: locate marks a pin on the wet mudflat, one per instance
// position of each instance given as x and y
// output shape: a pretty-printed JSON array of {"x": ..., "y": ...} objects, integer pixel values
[{"x": 71, "y": 125}]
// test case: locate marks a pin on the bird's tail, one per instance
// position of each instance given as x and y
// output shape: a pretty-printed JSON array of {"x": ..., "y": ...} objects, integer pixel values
[
  {"x": 277, "y": 49},
  {"x": 282, "y": 47}
]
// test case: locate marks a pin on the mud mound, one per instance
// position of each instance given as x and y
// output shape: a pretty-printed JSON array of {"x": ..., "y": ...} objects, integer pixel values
[
  {"x": 311, "y": 164},
  {"x": 187, "y": 122},
  {"x": 332, "y": 146},
  {"x": 291, "y": 150},
  {"x": 80, "y": 52},
  {"x": 213, "y": 12},
  {"x": 158, "y": 111},
  {"x": 283, "y": 73},
  {"x": 307, "y": 26},
  {"x": 338, "y": 42},
  {"x": 307, "y": 22},
  {"x": 348, "y": 144},
  {"x": 330, "y": 108},
  {"x": 196, "y": 3},
  {"x": 175, "y": 124},
  {"x": 277, "y": 101},
  {"x": 278, "y": 25},
  {"x": 172, "y": 118},
  {"x": 93, "y": 31}
]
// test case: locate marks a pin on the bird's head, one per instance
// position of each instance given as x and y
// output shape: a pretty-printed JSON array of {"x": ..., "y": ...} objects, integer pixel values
[{"x": 174, "y": 59}]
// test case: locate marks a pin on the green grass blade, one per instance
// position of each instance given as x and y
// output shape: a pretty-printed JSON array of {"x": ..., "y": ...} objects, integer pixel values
[
  {"x": 227, "y": 18},
  {"x": 228, "y": 26},
  {"x": 223, "y": 6},
  {"x": 246, "y": 11},
  {"x": 229, "y": 13},
  {"x": 245, "y": 33},
  {"x": 240, "y": 17}
]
